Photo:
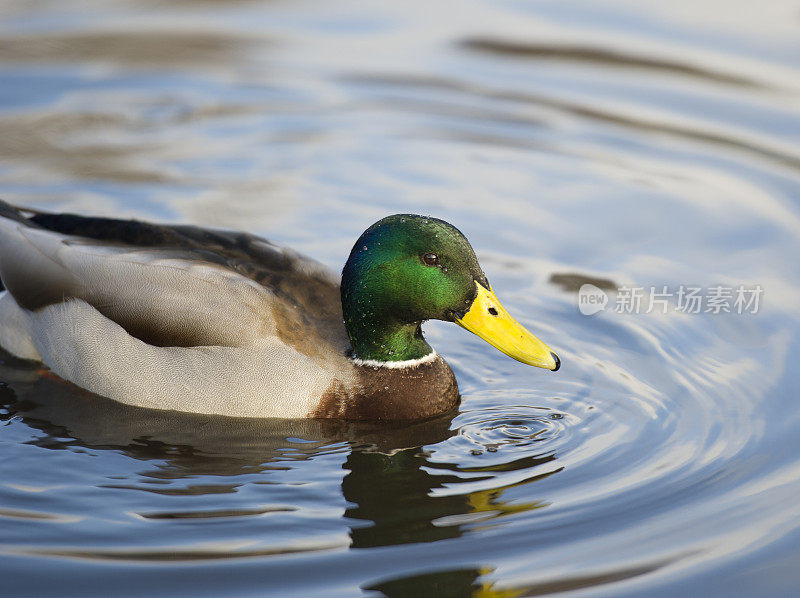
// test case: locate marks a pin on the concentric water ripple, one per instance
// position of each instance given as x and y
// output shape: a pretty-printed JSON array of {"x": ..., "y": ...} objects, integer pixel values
[{"x": 518, "y": 427}]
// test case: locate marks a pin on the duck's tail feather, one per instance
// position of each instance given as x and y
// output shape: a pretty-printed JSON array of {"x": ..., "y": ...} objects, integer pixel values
[{"x": 17, "y": 214}]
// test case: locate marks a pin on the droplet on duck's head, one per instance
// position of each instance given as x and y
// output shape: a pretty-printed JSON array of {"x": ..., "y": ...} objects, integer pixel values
[{"x": 430, "y": 259}]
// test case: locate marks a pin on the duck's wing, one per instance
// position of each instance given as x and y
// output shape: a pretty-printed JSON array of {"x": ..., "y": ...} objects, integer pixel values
[
  {"x": 278, "y": 268},
  {"x": 171, "y": 285}
]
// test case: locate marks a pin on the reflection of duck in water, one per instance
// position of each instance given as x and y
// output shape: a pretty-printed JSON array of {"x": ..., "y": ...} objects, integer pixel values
[{"x": 196, "y": 320}]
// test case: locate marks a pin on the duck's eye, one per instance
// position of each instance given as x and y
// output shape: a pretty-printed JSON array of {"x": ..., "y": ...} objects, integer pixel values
[{"x": 430, "y": 259}]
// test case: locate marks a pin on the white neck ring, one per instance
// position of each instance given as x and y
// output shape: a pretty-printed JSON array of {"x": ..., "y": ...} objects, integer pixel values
[{"x": 397, "y": 365}]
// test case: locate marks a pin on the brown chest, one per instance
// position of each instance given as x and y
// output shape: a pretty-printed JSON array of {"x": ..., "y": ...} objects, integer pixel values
[{"x": 392, "y": 394}]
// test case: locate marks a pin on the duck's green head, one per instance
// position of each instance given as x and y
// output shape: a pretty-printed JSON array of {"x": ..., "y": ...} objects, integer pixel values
[{"x": 406, "y": 269}]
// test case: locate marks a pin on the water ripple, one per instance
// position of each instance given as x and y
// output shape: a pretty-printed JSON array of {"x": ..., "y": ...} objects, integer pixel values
[
  {"x": 599, "y": 56},
  {"x": 515, "y": 426}
]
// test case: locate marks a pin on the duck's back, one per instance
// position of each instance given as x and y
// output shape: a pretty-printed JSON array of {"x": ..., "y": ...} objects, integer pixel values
[{"x": 171, "y": 317}]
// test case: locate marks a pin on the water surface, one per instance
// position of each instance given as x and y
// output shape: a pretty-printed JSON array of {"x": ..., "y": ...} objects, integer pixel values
[{"x": 637, "y": 144}]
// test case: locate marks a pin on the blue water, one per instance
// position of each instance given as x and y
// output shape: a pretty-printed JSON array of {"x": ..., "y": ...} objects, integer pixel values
[{"x": 646, "y": 144}]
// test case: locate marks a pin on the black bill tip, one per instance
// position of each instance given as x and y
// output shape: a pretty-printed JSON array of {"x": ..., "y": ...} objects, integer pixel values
[{"x": 557, "y": 360}]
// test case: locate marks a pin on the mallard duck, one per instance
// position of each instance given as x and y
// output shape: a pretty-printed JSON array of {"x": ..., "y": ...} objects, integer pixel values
[{"x": 218, "y": 322}]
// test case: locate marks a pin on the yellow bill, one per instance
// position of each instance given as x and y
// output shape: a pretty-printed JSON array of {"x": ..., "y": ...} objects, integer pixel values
[{"x": 489, "y": 320}]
